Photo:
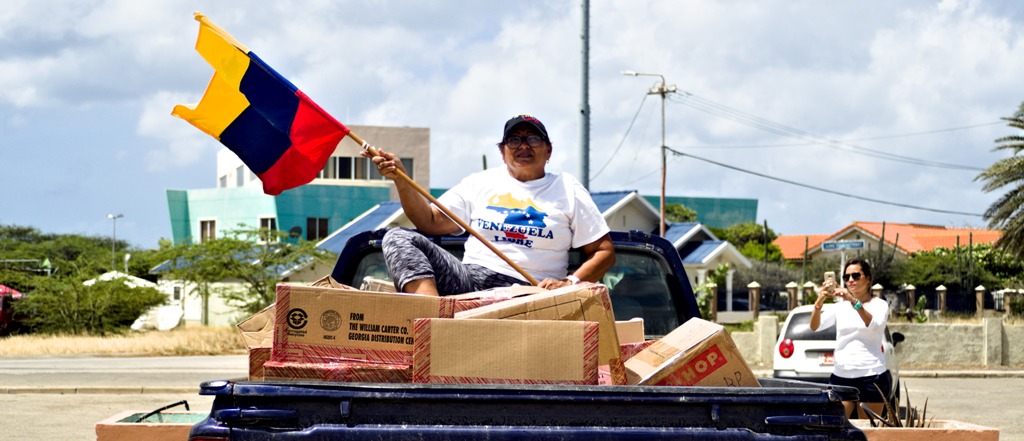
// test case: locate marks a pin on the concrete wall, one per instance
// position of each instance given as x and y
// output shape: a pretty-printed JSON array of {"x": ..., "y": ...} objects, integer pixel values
[{"x": 988, "y": 345}]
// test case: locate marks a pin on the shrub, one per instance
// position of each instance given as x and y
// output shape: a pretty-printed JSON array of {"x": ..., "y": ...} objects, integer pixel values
[{"x": 63, "y": 306}]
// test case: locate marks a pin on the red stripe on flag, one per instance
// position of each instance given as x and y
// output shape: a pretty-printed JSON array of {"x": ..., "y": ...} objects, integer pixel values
[{"x": 314, "y": 135}]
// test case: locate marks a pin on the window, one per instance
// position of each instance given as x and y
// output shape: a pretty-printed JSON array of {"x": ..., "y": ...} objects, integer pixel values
[
  {"x": 268, "y": 229},
  {"x": 316, "y": 228},
  {"x": 252, "y": 175},
  {"x": 177, "y": 293},
  {"x": 207, "y": 230},
  {"x": 344, "y": 168},
  {"x": 223, "y": 181},
  {"x": 349, "y": 168},
  {"x": 240, "y": 176}
]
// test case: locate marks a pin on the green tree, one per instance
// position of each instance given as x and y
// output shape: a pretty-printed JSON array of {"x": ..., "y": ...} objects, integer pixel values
[
  {"x": 242, "y": 255},
  {"x": 65, "y": 305},
  {"x": 1007, "y": 212},
  {"x": 750, "y": 239},
  {"x": 679, "y": 213}
]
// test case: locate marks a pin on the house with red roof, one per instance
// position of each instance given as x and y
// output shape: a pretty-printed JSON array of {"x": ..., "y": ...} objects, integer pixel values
[{"x": 901, "y": 239}]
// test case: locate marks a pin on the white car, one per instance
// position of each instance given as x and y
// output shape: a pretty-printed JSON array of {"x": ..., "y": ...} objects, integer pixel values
[{"x": 802, "y": 354}]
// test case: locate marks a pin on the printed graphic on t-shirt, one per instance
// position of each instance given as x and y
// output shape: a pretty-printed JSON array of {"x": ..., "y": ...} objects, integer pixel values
[{"x": 514, "y": 220}]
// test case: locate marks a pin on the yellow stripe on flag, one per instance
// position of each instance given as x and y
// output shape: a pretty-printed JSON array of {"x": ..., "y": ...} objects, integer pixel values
[{"x": 222, "y": 102}]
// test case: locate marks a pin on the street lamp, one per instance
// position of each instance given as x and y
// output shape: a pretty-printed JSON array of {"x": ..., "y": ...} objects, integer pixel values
[
  {"x": 662, "y": 90},
  {"x": 113, "y": 243}
]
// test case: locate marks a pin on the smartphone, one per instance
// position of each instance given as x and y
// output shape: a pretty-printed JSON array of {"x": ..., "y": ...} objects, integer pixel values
[{"x": 831, "y": 275}]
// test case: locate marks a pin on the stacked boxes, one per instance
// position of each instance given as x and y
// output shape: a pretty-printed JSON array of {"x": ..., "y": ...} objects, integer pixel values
[{"x": 515, "y": 335}]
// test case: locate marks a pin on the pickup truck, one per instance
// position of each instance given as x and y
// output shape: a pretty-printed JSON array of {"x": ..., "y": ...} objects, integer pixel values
[{"x": 647, "y": 280}]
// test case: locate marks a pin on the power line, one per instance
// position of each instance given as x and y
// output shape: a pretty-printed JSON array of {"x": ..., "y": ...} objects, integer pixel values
[
  {"x": 872, "y": 138},
  {"x": 725, "y": 112},
  {"x": 623, "y": 141},
  {"x": 878, "y": 201}
]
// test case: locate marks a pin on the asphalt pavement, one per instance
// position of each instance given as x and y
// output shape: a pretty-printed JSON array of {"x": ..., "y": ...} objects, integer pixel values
[{"x": 62, "y": 398}]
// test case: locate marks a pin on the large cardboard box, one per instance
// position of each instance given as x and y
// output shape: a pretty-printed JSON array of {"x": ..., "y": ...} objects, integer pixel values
[
  {"x": 630, "y": 331},
  {"x": 583, "y": 302},
  {"x": 478, "y": 299},
  {"x": 505, "y": 351},
  {"x": 698, "y": 353},
  {"x": 341, "y": 372},
  {"x": 317, "y": 324}
]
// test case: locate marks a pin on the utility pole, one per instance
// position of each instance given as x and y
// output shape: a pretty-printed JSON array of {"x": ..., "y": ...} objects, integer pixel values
[
  {"x": 662, "y": 90},
  {"x": 113, "y": 243},
  {"x": 585, "y": 99}
]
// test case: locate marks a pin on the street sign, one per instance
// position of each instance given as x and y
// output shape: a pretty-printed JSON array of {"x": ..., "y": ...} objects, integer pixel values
[{"x": 837, "y": 245}]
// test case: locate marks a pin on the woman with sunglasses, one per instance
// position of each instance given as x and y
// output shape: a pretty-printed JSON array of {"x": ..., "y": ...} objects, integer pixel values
[
  {"x": 860, "y": 321},
  {"x": 532, "y": 216}
]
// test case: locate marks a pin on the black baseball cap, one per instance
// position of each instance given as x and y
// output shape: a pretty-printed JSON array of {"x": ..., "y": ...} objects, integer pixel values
[{"x": 525, "y": 119}]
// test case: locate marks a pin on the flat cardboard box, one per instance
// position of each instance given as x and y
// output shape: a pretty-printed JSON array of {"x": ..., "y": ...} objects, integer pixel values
[
  {"x": 339, "y": 372},
  {"x": 317, "y": 324},
  {"x": 630, "y": 331},
  {"x": 174, "y": 426},
  {"x": 505, "y": 351},
  {"x": 582, "y": 302},
  {"x": 698, "y": 353}
]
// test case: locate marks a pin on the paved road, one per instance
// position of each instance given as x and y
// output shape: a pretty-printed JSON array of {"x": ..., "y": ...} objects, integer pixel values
[{"x": 62, "y": 398}]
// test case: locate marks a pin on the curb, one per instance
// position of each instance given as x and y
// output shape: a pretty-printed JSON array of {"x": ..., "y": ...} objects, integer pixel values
[{"x": 57, "y": 390}]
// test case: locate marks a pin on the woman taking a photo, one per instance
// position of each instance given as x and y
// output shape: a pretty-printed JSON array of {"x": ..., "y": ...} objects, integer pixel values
[{"x": 860, "y": 331}]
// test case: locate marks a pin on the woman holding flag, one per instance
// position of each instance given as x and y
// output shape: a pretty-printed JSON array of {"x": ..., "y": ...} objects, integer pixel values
[{"x": 531, "y": 216}]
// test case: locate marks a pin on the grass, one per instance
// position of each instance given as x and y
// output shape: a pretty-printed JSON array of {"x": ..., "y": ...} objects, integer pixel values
[{"x": 179, "y": 342}]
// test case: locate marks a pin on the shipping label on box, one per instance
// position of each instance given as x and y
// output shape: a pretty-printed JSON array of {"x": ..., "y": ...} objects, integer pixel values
[
  {"x": 583, "y": 302},
  {"x": 339, "y": 372},
  {"x": 316, "y": 324},
  {"x": 698, "y": 353},
  {"x": 505, "y": 351}
]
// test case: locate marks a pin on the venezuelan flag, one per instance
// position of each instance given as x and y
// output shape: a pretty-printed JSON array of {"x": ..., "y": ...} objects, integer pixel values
[{"x": 276, "y": 130}]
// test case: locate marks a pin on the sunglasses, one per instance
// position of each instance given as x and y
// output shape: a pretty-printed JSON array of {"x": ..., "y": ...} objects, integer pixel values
[
  {"x": 532, "y": 141},
  {"x": 854, "y": 276}
]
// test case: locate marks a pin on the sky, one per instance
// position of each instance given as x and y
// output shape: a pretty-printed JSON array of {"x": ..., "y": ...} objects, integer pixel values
[{"x": 826, "y": 112}]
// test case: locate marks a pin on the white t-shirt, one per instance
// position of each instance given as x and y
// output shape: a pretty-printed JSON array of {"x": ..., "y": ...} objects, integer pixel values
[
  {"x": 858, "y": 347},
  {"x": 533, "y": 223}
]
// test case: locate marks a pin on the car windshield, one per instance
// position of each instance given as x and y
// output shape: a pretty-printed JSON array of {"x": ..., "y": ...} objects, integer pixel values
[
  {"x": 637, "y": 284},
  {"x": 800, "y": 329}
]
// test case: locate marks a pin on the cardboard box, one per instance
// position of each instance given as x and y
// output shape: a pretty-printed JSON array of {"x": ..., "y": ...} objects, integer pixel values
[
  {"x": 630, "y": 331},
  {"x": 340, "y": 372},
  {"x": 377, "y": 285},
  {"x": 698, "y": 353},
  {"x": 583, "y": 302},
  {"x": 473, "y": 300},
  {"x": 258, "y": 334},
  {"x": 172, "y": 426},
  {"x": 316, "y": 324},
  {"x": 329, "y": 282},
  {"x": 615, "y": 373},
  {"x": 629, "y": 350},
  {"x": 505, "y": 351}
]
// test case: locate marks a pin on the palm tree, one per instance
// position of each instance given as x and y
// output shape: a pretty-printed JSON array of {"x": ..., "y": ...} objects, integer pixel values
[{"x": 1007, "y": 212}]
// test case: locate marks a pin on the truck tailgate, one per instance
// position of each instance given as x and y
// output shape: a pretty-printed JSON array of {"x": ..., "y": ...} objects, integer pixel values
[{"x": 783, "y": 410}]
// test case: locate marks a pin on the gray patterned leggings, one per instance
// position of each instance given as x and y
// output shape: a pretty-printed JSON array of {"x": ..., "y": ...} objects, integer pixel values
[{"x": 411, "y": 256}]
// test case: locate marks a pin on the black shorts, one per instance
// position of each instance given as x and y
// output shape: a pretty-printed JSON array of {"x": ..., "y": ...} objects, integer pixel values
[{"x": 866, "y": 386}]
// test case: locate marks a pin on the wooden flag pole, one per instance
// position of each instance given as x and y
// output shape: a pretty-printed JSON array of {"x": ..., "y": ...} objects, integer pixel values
[{"x": 373, "y": 151}]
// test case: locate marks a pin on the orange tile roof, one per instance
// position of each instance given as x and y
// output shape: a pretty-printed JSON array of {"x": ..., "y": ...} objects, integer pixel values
[
  {"x": 793, "y": 245},
  {"x": 912, "y": 237}
]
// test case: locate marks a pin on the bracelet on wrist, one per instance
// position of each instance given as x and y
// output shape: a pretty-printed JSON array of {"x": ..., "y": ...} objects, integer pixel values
[{"x": 858, "y": 305}]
